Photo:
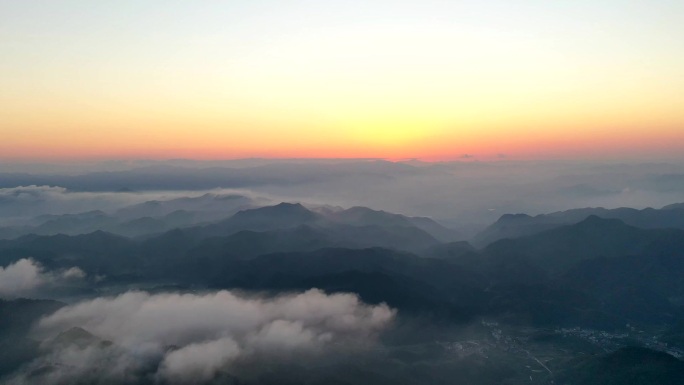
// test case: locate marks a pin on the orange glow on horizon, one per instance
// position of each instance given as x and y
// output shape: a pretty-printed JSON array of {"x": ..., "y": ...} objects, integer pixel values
[
  {"x": 599, "y": 144},
  {"x": 427, "y": 80}
]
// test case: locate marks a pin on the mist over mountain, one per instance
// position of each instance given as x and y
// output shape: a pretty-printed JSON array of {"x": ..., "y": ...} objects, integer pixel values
[
  {"x": 166, "y": 212},
  {"x": 341, "y": 192},
  {"x": 237, "y": 275},
  {"x": 517, "y": 225},
  {"x": 466, "y": 196}
]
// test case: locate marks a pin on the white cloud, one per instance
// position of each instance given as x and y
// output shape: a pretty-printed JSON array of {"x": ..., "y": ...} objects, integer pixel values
[
  {"x": 73, "y": 273},
  {"x": 210, "y": 332},
  {"x": 26, "y": 276},
  {"x": 198, "y": 361},
  {"x": 20, "y": 277}
]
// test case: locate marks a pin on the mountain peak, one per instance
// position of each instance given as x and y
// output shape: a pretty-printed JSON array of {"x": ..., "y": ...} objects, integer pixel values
[
  {"x": 362, "y": 209},
  {"x": 513, "y": 217},
  {"x": 288, "y": 205},
  {"x": 283, "y": 210},
  {"x": 79, "y": 337},
  {"x": 595, "y": 220}
]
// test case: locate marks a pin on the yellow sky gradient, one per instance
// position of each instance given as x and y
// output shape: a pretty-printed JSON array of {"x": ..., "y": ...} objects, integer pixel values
[{"x": 434, "y": 81}]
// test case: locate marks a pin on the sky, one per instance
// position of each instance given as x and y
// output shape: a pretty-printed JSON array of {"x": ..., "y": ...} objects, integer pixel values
[{"x": 425, "y": 79}]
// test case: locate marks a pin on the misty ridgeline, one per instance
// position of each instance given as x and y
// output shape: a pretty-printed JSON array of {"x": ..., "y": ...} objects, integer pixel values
[{"x": 342, "y": 272}]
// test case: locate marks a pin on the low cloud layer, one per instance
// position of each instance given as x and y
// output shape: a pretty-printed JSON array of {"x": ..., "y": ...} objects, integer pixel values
[
  {"x": 467, "y": 195},
  {"x": 19, "y": 205},
  {"x": 189, "y": 338},
  {"x": 26, "y": 277}
]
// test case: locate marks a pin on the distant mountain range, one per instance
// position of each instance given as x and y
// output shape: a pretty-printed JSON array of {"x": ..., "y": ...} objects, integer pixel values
[
  {"x": 151, "y": 217},
  {"x": 205, "y": 216},
  {"x": 518, "y": 225},
  {"x": 575, "y": 269},
  {"x": 595, "y": 272}
]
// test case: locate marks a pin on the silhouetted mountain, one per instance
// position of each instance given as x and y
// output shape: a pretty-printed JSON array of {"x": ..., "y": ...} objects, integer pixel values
[
  {"x": 514, "y": 226},
  {"x": 518, "y": 225},
  {"x": 405, "y": 280},
  {"x": 76, "y": 336},
  {"x": 674, "y": 206},
  {"x": 413, "y": 284},
  {"x": 643, "y": 288},
  {"x": 94, "y": 252},
  {"x": 141, "y": 226},
  {"x": 452, "y": 250},
  {"x": 358, "y": 227},
  {"x": 547, "y": 304},
  {"x": 247, "y": 244},
  {"x": 210, "y": 205},
  {"x": 73, "y": 223},
  {"x": 441, "y": 233},
  {"x": 633, "y": 273},
  {"x": 363, "y": 216},
  {"x": 147, "y": 226},
  {"x": 281, "y": 216},
  {"x": 151, "y": 217},
  {"x": 563, "y": 247},
  {"x": 400, "y": 238},
  {"x": 596, "y": 272},
  {"x": 284, "y": 227},
  {"x": 11, "y": 232},
  {"x": 98, "y": 241},
  {"x": 70, "y": 224}
]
